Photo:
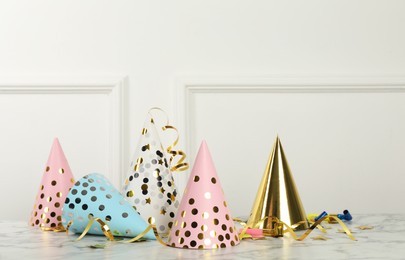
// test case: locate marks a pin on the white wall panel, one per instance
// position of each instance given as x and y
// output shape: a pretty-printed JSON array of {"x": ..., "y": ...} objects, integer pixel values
[
  {"x": 345, "y": 143},
  {"x": 155, "y": 42},
  {"x": 83, "y": 117}
]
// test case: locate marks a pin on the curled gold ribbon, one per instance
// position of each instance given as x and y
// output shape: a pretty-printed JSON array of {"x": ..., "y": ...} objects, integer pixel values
[
  {"x": 176, "y": 164},
  {"x": 106, "y": 230},
  {"x": 290, "y": 229}
]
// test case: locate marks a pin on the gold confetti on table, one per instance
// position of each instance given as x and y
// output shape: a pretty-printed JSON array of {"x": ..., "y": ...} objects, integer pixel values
[
  {"x": 320, "y": 237},
  {"x": 365, "y": 227}
]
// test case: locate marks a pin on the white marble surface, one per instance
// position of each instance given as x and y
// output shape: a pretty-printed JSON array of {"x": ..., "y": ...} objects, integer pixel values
[{"x": 385, "y": 241}]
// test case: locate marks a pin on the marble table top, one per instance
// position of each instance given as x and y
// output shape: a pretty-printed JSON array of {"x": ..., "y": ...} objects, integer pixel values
[{"x": 385, "y": 241}]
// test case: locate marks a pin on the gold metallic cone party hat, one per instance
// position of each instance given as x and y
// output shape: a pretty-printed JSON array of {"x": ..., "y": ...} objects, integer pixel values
[{"x": 277, "y": 196}]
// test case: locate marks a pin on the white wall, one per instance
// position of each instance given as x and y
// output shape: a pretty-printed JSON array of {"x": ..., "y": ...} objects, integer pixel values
[{"x": 157, "y": 42}]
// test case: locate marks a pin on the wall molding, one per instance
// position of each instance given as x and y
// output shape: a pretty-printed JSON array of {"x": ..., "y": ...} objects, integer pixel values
[
  {"x": 186, "y": 87},
  {"x": 115, "y": 87}
]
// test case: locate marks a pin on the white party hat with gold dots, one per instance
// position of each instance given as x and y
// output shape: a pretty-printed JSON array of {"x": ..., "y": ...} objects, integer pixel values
[{"x": 149, "y": 185}]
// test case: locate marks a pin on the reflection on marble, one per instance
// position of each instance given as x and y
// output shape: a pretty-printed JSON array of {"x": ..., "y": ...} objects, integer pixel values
[{"x": 385, "y": 241}]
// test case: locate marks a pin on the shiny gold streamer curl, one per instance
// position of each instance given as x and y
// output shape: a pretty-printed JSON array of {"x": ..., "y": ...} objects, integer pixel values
[
  {"x": 107, "y": 231},
  {"x": 290, "y": 229},
  {"x": 176, "y": 164}
]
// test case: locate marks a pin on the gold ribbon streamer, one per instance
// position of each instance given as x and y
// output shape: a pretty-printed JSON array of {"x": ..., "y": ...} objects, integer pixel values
[
  {"x": 107, "y": 231},
  {"x": 179, "y": 164},
  {"x": 290, "y": 230}
]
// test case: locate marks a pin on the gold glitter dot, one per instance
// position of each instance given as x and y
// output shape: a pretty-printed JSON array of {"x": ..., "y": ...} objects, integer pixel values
[
  {"x": 47, "y": 169},
  {"x": 57, "y": 204},
  {"x": 207, "y": 195},
  {"x": 227, "y": 236},
  {"x": 183, "y": 224},
  {"x": 187, "y": 233},
  {"x": 214, "y": 246},
  {"x": 59, "y": 194},
  {"x": 223, "y": 245},
  {"x": 225, "y": 204},
  {"x": 205, "y": 215},
  {"x": 53, "y": 183},
  {"x": 216, "y": 221},
  {"x": 40, "y": 206},
  {"x": 181, "y": 240},
  {"x": 151, "y": 220},
  {"x": 42, "y": 187},
  {"x": 231, "y": 229},
  {"x": 144, "y": 187},
  {"x": 72, "y": 180},
  {"x": 130, "y": 193},
  {"x": 227, "y": 217},
  {"x": 232, "y": 243},
  {"x": 183, "y": 213},
  {"x": 207, "y": 241},
  {"x": 47, "y": 220},
  {"x": 49, "y": 199},
  {"x": 200, "y": 247},
  {"x": 176, "y": 222},
  {"x": 156, "y": 173},
  {"x": 236, "y": 238},
  {"x": 200, "y": 236},
  {"x": 61, "y": 171},
  {"x": 177, "y": 233},
  {"x": 43, "y": 215},
  {"x": 204, "y": 227},
  {"x": 59, "y": 218},
  {"x": 224, "y": 227},
  {"x": 213, "y": 180},
  {"x": 196, "y": 178},
  {"x": 46, "y": 209},
  {"x": 35, "y": 214},
  {"x": 144, "y": 131},
  {"x": 213, "y": 233}
]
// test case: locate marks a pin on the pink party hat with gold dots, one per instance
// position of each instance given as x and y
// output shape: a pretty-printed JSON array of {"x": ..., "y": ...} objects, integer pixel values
[
  {"x": 203, "y": 220},
  {"x": 55, "y": 185}
]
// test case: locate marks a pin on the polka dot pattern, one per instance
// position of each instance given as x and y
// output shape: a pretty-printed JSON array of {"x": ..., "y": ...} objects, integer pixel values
[
  {"x": 204, "y": 221},
  {"x": 103, "y": 201},
  {"x": 149, "y": 185},
  {"x": 56, "y": 182}
]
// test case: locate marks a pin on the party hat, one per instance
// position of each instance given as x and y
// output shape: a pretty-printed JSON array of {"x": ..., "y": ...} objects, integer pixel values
[
  {"x": 149, "y": 185},
  {"x": 56, "y": 182},
  {"x": 277, "y": 196},
  {"x": 204, "y": 220},
  {"x": 93, "y": 196}
]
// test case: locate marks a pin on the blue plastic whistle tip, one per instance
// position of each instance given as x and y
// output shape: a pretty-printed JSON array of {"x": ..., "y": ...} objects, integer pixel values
[
  {"x": 323, "y": 214},
  {"x": 347, "y": 215}
]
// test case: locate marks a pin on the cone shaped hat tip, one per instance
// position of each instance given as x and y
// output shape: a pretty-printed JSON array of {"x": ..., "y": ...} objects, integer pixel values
[{"x": 56, "y": 142}]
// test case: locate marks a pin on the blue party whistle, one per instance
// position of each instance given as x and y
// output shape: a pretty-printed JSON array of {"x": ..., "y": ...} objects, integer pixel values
[
  {"x": 323, "y": 214},
  {"x": 345, "y": 216}
]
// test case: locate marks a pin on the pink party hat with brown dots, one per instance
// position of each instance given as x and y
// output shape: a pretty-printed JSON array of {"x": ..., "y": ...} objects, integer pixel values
[
  {"x": 55, "y": 185},
  {"x": 203, "y": 220}
]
